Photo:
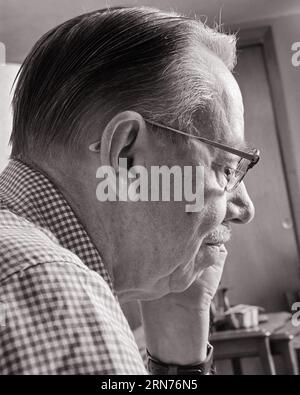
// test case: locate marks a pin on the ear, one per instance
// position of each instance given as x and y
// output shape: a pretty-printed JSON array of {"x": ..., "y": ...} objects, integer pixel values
[{"x": 121, "y": 137}]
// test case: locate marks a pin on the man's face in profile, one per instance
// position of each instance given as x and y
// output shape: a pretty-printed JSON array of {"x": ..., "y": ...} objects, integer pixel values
[{"x": 175, "y": 245}]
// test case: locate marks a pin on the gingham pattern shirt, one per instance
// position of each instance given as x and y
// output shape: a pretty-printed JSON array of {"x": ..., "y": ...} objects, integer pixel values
[{"x": 59, "y": 313}]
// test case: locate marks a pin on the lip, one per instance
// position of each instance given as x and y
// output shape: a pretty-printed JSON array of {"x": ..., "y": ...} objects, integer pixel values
[
  {"x": 217, "y": 246},
  {"x": 216, "y": 243}
]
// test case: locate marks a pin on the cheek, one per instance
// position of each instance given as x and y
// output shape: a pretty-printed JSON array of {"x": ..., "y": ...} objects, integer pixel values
[
  {"x": 187, "y": 229},
  {"x": 214, "y": 211},
  {"x": 215, "y": 200}
]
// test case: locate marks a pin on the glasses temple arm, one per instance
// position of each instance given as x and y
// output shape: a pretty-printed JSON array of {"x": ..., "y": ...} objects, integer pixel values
[{"x": 250, "y": 156}]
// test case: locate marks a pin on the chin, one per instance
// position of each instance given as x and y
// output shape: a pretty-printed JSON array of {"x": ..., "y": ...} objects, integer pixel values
[
  {"x": 210, "y": 256},
  {"x": 177, "y": 282},
  {"x": 146, "y": 292},
  {"x": 183, "y": 278}
]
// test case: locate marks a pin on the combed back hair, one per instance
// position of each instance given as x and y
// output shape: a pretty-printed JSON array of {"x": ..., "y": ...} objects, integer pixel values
[{"x": 95, "y": 65}]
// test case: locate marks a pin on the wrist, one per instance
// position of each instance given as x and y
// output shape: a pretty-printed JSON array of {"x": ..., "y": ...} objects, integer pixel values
[
  {"x": 204, "y": 367},
  {"x": 182, "y": 342}
]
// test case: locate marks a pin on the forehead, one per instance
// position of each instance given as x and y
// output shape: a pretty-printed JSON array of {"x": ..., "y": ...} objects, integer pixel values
[
  {"x": 228, "y": 106},
  {"x": 224, "y": 120}
]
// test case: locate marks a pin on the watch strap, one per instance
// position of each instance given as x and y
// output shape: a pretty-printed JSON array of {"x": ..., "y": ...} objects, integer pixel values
[{"x": 161, "y": 368}]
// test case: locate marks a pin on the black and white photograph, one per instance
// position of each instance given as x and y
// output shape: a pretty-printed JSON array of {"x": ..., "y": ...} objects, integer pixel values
[{"x": 149, "y": 190}]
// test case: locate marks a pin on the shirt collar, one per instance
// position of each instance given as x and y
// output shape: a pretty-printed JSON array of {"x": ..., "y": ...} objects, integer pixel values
[{"x": 30, "y": 194}]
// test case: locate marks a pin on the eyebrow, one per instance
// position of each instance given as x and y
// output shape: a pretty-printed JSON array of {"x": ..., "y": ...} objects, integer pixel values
[
  {"x": 235, "y": 144},
  {"x": 229, "y": 157},
  {"x": 241, "y": 145},
  {"x": 226, "y": 158}
]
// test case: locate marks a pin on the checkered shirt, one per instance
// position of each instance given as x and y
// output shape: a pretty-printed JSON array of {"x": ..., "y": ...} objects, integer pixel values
[{"x": 59, "y": 313}]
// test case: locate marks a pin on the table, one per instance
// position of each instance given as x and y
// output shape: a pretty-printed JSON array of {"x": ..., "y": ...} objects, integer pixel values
[{"x": 280, "y": 325}]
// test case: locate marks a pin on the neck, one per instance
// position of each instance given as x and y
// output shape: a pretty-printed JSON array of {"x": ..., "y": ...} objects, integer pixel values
[{"x": 74, "y": 185}]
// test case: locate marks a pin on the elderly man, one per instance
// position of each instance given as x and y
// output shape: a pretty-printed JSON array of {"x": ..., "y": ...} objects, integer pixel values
[{"x": 156, "y": 89}]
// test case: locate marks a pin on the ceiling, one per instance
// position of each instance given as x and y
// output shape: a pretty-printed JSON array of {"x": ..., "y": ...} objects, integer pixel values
[{"x": 22, "y": 22}]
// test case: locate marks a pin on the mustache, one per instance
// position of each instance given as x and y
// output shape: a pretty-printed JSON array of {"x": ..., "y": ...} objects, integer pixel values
[{"x": 222, "y": 234}]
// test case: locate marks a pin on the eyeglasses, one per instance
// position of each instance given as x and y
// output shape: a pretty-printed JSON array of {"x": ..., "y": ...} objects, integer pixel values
[{"x": 233, "y": 176}]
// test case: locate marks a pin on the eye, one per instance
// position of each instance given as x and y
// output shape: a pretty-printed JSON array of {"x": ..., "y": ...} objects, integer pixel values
[{"x": 228, "y": 172}]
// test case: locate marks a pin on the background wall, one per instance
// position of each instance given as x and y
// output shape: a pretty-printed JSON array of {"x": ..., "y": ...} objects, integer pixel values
[
  {"x": 8, "y": 73},
  {"x": 22, "y": 22},
  {"x": 286, "y": 31}
]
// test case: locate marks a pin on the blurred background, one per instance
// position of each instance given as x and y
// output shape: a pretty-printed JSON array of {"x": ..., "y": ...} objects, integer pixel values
[{"x": 263, "y": 265}]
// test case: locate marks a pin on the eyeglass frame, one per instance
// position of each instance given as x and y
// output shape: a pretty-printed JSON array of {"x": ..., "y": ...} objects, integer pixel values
[{"x": 253, "y": 156}]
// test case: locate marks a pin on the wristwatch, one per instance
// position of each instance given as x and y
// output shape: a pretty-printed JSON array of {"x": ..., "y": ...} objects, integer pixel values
[{"x": 204, "y": 368}]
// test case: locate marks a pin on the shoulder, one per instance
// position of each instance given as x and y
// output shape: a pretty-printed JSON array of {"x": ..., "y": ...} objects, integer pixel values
[
  {"x": 24, "y": 245},
  {"x": 60, "y": 317}
]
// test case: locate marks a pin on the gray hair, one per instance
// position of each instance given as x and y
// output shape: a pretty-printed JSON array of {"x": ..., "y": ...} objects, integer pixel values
[{"x": 111, "y": 60}]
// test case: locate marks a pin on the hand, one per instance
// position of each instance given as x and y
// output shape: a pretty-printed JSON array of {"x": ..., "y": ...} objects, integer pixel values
[
  {"x": 177, "y": 325},
  {"x": 200, "y": 294}
]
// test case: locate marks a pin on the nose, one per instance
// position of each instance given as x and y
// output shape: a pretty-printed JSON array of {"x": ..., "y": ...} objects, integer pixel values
[{"x": 240, "y": 208}]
